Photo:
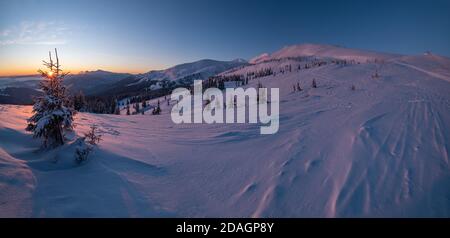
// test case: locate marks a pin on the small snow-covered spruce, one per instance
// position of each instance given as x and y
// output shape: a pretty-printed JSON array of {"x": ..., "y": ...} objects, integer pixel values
[
  {"x": 82, "y": 151},
  {"x": 128, "y": 109},
  {"x": 353, "y": 87},
  {"x": 379, "y": 66},
  {"x": 298, "y": 87},
  {"x": 86, "y": 144},
  {"x": 117, "y": 107},
  {"x": 314, "y": 84},
  {"x": 157, "y": 110},
  {"x": 144, "y": 105},
  {"x": 376, "y": 75},
  {"x": 137, "y": 108},
  {"x": 53, "y": 113}
]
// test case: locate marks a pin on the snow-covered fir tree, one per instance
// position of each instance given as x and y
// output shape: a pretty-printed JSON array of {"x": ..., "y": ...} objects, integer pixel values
[
  {"x": 137, "y": 108},
  {"x": 157, "y": 110},
  {"x": 53, "y": 113},
  {"x": 128, "y": 110}
]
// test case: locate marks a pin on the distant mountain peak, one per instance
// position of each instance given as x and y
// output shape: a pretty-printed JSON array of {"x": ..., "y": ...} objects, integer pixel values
[
  {"x": 205, "y": 66},
  {"x": 239, "y": 60}
]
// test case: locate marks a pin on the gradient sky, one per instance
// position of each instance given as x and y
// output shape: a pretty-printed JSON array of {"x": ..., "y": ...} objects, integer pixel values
[{"x": 141, "y": 35}]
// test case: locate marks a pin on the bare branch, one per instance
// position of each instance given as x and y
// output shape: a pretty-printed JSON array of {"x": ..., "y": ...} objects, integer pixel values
[
  {"x": 57, "y": 62},
  {"x": 51, "y": 61}
]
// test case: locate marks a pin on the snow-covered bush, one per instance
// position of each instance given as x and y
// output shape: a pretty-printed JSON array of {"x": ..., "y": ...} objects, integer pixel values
[
  {"x": 86, "y": 144},
  {"x": 92, "y": 136},
  {"x": 157, "y": 110},
  {"x": 83, "y": 150},
  {"x": 314, "y": 84},
  {"x": 53, "y": 113},
  {"x": 298, "y": 87}
]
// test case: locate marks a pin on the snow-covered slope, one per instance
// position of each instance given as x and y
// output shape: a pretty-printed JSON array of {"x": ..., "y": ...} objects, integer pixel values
[
  {"x": 179, "y": 74},
  {"x": 380, "y": 150},
  {"x": 324, "y": 51},
  {"x": 433, "y": 65},
  {"x": 91, "y": 81},
  {"x": 203, "y": 68},
  {"x": 260, "y": 58}
]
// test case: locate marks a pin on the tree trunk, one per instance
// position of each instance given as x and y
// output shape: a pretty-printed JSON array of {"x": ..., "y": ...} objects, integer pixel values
[{"x": 59, "y": 136}]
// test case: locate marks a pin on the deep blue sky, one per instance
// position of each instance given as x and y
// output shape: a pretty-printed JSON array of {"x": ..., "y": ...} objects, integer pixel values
[{"x": 139, "y": 35}]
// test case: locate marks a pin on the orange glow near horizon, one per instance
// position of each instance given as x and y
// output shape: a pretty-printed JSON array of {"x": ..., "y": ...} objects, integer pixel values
[
  {"x": 22, "y": 65},
  {"x": 13, "y": 71}
]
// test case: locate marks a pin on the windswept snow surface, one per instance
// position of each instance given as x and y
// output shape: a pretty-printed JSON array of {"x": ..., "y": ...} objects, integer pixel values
[
  {"x": 381, "y": 150},
  {"x": 260, "y": 58},
  {"x": 329, "y": 51}
]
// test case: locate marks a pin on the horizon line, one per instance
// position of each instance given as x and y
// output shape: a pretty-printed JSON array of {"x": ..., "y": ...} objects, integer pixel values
[{"x": 210, "y": 58}]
